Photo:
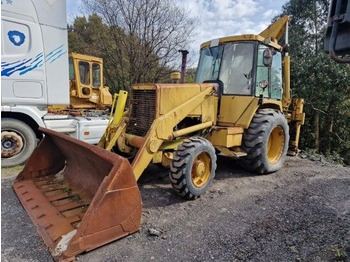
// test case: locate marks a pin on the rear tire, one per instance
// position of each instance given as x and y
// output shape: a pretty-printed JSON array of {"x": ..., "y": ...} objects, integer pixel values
[
  {"x": 266, "y": 142},
  {"x": 18, "y": 142},
  {"x": 193, "y": 168}
]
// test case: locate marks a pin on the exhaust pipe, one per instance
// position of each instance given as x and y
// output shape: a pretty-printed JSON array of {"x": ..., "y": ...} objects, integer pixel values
[{"x": 183, "y": 65}]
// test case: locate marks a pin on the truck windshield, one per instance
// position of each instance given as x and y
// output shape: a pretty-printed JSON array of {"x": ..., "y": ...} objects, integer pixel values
[{"x": 231, "y": 63}]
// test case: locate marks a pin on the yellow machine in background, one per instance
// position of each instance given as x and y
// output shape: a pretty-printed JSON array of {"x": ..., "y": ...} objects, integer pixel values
[
  {"x": 87, "y": 90},
  {"x": 80, "y": 196}
]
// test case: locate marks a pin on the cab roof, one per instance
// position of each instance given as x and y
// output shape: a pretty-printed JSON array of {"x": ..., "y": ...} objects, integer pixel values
[{"x": 267, "y": 41}]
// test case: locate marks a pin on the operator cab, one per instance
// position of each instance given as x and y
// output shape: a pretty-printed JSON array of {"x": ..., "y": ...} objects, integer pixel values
[
  {"x": 242, "y": 68},
  {"x": 86, "y": 87}
]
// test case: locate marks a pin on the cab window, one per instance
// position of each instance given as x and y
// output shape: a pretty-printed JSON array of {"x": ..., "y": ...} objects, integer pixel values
[
  {"x": 96, "y": 75},
  {"x": 84, "y": 70},
  {"x": 71, "y": 69},
  {"x": 237, "y": 68}
]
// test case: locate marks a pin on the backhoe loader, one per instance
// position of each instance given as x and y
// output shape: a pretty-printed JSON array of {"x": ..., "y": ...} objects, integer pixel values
[{"x": 81, "y": 196}]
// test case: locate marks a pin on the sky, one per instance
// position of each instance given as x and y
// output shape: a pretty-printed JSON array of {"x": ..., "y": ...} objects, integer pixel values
[{"x": 218, "y": 18}]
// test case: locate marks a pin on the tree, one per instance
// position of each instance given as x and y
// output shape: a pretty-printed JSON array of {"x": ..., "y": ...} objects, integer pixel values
[
  {"x": 92, "y": 37},
  {"x": 191, "y": 75},
  {"x": 144, "y": 37},
  {"x": 324, "y": 84}
]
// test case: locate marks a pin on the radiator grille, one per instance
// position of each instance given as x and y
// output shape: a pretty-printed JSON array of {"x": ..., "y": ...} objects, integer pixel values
[{"x": 143, "y": 112}]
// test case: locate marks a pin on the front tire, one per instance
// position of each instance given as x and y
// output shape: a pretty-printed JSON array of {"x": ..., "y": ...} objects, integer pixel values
[
  {"x": 193, "y": 168},
  {"x": 18, "y": 142},
  {"x": 266, "y": 142}
]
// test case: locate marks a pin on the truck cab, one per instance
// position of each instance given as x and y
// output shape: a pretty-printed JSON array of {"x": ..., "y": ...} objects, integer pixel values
[{"x": 41, "y": 83}]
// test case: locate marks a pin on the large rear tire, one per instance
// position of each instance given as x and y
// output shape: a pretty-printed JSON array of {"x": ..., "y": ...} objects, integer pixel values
[
  {"x": 266, "y": 142},
  {"x": 18, "y": 142},
  {"x": 193, "y": 168}
]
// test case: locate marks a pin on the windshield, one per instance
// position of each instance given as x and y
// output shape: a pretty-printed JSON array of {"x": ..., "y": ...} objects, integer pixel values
[
  {"x": 231, "y": 63},
  {"x": 209, "y": 64}
]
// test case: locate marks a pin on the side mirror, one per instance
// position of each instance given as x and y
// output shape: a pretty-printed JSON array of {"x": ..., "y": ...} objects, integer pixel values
[{"x": 267, "y": 57}]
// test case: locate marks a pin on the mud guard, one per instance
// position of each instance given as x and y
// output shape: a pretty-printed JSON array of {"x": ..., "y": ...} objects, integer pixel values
[{"x": 78, "y": 196}]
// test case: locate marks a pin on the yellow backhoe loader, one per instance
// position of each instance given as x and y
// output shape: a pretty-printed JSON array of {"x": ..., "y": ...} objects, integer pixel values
[
  {"x": 81, "y": 196},
  {"x": 86, "y": 82}
]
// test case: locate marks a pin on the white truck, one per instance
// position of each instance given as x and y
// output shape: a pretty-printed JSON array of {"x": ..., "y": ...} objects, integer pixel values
[{"x": 35, "y": 74}]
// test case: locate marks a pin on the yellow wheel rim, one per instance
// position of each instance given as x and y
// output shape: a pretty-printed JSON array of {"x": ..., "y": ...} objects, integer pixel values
[
  {"x": 275, "y": 145},
  {"x": 201, "y": 170}
]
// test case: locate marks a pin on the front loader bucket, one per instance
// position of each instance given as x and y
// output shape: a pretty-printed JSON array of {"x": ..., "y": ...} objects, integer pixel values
[{"x": 79, "y": 196}]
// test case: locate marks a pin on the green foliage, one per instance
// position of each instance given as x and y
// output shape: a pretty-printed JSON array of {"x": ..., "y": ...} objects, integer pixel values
[
  {"x": 138, "y": 40},
  {"x": 91, "y": 36},
  {"x": 339, "y": 253},
  {"x": 335, "y": 158},
  {"x": 311, "y": 154},
  {"x": 191, "y": 75},
  {"x": 324, "y": 84}
]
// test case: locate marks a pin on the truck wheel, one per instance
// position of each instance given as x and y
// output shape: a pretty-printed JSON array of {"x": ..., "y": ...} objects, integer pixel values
[
  {"x": 18, "y": 142},
  {"x": 193, "y": 168},
  {"x": 266, "y": 142}
]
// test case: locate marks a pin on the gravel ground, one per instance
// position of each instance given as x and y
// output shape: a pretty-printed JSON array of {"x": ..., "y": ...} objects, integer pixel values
[{"x": 300, "y": 213}]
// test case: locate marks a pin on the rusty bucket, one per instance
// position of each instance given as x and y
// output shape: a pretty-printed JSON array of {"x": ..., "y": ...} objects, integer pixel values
[{"x": 78, "y": 196}]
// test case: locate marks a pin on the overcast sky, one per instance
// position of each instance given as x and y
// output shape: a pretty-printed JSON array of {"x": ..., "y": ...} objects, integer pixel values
[{"x": 219, "y": 18}]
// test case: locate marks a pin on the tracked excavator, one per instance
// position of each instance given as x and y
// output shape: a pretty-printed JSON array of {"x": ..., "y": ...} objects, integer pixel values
[{"x": 81, "y": 196}]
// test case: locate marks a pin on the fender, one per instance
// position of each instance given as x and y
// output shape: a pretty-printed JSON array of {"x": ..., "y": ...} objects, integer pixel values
[{"x": 32, "y": 111}]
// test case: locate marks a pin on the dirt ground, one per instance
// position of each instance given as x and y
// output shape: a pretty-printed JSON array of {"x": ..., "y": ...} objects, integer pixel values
[{"x": 300, "y": 213}]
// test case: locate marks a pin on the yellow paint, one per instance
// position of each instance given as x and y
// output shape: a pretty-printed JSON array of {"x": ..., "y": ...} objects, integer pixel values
[
  {"x": 120, "y": 107},
  {"x": 258, "y": 38},
  {"x": 167, "y": 158},
  {"x": 226, "y": 137},
  {"x": 235, "y": 152},
  {"x": 162, "y": 129},
  {"x": 192, "y": 129},
  {"x": 157, "y": 158},
  {"x": 171, "y": 145},
  {"x": 276, "y": 30},
  {"x": 275, "y": 145},
  {"x": 174, "y": 95},
  {"x": 234, "y": 108},
  {"x": 88, "y": 96},
  {"x": 113, "y": 132},
  {"x": 240, "y": 110},
  {"x": 286, "y": 99},
  {"x": 298, "y": 119},
  {"x": 201, "y": 170},
  {"x": 163, "y": 158}
]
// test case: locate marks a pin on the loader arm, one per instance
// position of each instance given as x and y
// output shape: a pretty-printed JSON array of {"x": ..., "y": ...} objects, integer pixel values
[
  {"x": 162, "y": 130},
  {"x": 115, "y": 120}
]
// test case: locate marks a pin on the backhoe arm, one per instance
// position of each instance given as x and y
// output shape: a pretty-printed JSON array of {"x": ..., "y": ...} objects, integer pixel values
[{"x": 276, "y": 30}]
